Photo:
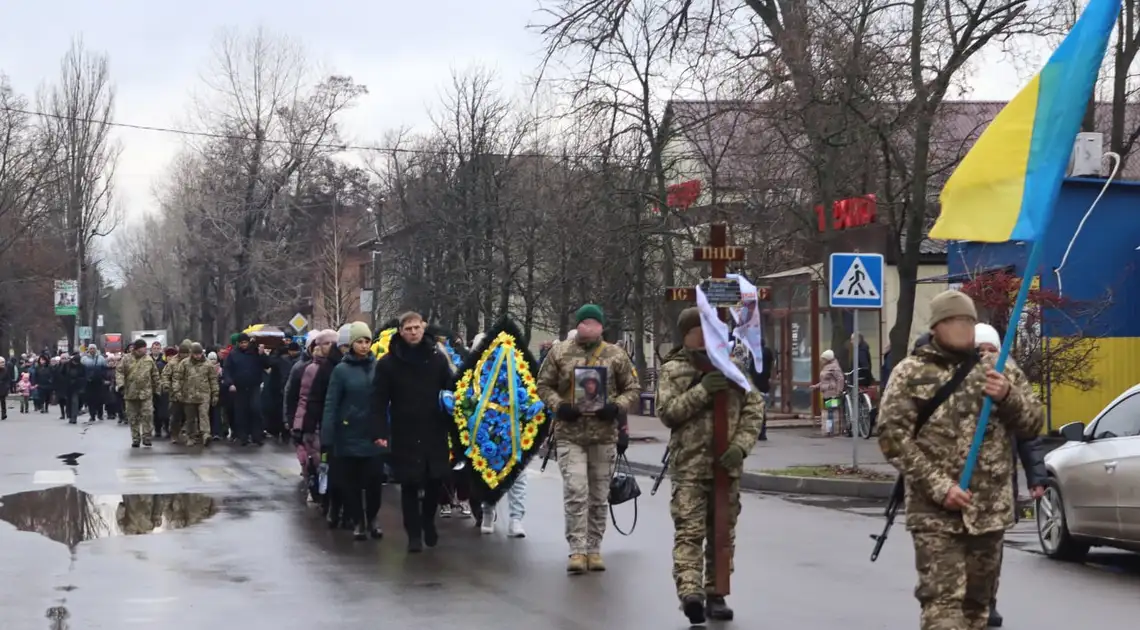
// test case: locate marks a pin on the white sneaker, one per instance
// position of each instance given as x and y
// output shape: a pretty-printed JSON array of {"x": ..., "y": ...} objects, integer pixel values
[
  {"x": 489, "y": 518},
  {"x": 516, "y": 529}
]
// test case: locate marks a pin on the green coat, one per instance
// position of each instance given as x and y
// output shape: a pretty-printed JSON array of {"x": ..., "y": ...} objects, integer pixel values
[{"x": 347, "y": 427}]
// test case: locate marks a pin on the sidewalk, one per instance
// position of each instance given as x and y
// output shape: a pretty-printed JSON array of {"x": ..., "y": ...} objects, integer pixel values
[{"x": 784, "y": 448}]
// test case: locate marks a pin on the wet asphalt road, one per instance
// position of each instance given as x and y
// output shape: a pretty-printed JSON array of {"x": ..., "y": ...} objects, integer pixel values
[{"x": 237, "y": 546}]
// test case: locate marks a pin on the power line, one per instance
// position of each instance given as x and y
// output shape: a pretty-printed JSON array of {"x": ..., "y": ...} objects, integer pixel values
[{"x": 342, "y": 146}]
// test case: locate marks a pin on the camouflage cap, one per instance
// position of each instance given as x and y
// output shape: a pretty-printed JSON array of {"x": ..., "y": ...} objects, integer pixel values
[
  {"x": 184, "y": 347},
  {"x": 196, "y": 348},
  {"x": 589, "y": 375}
]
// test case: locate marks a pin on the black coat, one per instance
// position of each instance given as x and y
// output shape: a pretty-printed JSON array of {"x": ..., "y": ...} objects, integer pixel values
[
  {"x": 7, "y": 377},
  {"x": 71, "y": 378},
  {"x": 406, "y": 382}
]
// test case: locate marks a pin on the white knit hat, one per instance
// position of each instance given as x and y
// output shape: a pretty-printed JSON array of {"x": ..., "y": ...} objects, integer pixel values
[
  {"x": 344, "y": 335},
  {"x": 827, "y": 355},
  {"x": 984, "y": 333}
]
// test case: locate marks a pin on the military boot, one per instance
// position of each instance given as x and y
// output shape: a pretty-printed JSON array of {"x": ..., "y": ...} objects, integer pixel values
[
  {"x": 694, "y": 608},
  {"x": 594, "y": 562},
  {"x": 995, "y": 620},
  {"x": 577, "y": 564},
  {"x": 717, "y": 609}
]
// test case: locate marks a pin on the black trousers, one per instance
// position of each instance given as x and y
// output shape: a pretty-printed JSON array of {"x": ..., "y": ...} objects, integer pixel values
[
  {"x": 247, "y": 421},
  {"x": 360, "y": 482},
  {"x": 419, "y": 502},
  {"x": 93, "y": 396}
]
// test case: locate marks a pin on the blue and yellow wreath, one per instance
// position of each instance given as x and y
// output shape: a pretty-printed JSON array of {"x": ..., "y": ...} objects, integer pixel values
[{"x": 497, "y": 411}]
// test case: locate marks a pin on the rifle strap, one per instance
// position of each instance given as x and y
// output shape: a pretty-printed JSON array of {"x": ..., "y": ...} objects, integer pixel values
[{"x": 943, "y": 394}]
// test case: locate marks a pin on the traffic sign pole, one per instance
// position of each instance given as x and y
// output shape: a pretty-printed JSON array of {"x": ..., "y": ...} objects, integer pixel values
[{"x": 856, "y": 282}]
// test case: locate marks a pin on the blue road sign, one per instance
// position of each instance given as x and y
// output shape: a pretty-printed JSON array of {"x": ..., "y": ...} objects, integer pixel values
[{"x": 856, "y": 280}]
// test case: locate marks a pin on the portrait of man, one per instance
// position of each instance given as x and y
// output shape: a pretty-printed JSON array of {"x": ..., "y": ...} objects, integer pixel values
[{"x": 589, "y": 389}]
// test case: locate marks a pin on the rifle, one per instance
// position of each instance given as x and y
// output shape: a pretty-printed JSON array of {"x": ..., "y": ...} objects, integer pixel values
[
  {"x": 898, "y": 493},
  {"x": 660, "y": 473},
  {"x": 549, "y": 450}
]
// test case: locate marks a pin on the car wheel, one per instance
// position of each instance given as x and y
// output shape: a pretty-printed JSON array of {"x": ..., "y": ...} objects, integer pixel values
[{"x": 1053, "y": 527}]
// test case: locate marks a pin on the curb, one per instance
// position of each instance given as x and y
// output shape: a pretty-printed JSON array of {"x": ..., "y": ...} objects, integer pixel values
[{"x": 762, "y": 482}]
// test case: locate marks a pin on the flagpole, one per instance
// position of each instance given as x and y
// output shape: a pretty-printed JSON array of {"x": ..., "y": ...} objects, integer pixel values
[{"x": 1031, "y": 265}]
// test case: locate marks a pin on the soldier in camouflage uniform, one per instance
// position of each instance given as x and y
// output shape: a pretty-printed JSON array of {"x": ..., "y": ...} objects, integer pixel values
[
  {"x": 685, "y": 391},
  {"x": 177, "y": 411},
  {"x": 587, "y": 445},
  {"x": 957, "y": 533},
  {"x": 195, "y": 383},
  {"x": 137, "y": 378}
]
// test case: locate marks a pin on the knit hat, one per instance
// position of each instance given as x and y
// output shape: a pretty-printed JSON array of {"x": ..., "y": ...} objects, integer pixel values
[
  {"x": 984, "y": 333},
  {"x": 827, "y": 355},
  {"x": 327, "y": 335},
  {"x": 951, "y": 304},
  {"x": 184, "y": 347},
  {"x": 138, "y": 344},
  {"x": 213, "y": 356},
  {"x": 358, "y": 330},
  {"x": 479, "y": 337},
  {"x": 242, "y": 337},
  {"x": 311, "y": 337},
  {"x": 690, "y": 318},
  {"x": 234, "y": 339},
  {"x": 344, "y": 335},
  {"x": 196, "y": 348},
  {"x": 590, "y": 311}
]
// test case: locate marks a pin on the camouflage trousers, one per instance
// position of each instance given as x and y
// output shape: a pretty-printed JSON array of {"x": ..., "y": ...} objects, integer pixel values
[
  {"x": 177, "y": 421},
  {"x": 586, "y": 473},
  {"x": 140, "y": 415},
  {"x": 196, "y": 421},
  {"x": 691, "y": 506},
  {"x": 957, "y": 578}
]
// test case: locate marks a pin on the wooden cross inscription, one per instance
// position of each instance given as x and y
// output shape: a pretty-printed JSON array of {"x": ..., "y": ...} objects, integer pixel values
[{"x": 717, "y": 253}]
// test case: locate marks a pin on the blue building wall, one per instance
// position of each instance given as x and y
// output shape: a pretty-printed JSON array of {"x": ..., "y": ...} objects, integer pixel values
[{"x": 1103, "y": 261}]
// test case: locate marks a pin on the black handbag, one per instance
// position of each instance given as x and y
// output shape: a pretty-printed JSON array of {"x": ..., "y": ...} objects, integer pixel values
[{"x": 623, "y": 489}]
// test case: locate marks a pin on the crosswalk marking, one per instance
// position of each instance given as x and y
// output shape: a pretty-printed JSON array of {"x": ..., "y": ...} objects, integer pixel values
[
  {"x": 211, "y": 474},
  {"x": 137, "y": 475},
  {"x": 53, "y": 477}
]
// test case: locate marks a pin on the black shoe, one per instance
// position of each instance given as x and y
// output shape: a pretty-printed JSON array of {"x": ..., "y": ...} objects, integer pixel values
[
  {"x": 135, "y": 444},
  {"x": 694, "y": 608},
  {"x": 995, "y": 620},
  {"x": 334, "y": 523},
  {"x": 359, "y": 533},
  {"x": 415, "y": 544},
  {"x": 73, "y": 422},
  {"x": 717, "y": 609},
  {"x": 376, "y": 533},
  {"x": 431, "y": 536},
  {"x": 146, "y": 443},
  {"x": 245, "y": 442}
]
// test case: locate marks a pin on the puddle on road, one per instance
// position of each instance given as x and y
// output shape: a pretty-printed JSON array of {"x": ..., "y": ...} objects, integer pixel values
[{"x": 70, "y": 516}]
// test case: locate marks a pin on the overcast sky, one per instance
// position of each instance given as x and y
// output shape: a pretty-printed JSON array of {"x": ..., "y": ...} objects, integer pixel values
[{"x": 403, "y": 51}]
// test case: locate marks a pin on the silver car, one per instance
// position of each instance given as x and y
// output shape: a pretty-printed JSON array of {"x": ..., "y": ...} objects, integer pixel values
[{"x": 1092, "y": 495}]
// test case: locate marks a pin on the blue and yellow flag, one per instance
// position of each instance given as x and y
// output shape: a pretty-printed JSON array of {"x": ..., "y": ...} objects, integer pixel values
[{"x": 1005, "y": 187}]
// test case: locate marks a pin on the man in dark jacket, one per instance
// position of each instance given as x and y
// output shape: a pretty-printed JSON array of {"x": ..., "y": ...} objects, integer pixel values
[
  {"x": 242, "y": 378},
  {"x": 71, "y": 383},
  {"x": 406, "y": 385}
]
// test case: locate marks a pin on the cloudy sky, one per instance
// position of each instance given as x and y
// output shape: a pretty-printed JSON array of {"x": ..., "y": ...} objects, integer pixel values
[{"x": 403, "y": 51}]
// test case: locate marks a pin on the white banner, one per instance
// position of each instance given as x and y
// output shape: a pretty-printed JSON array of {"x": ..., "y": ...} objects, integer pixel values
[
  {"x": 748, "y": 330},
  {"x": 716, "y": 343}
]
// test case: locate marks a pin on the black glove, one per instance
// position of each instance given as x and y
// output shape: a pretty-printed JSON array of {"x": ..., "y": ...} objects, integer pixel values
[
  {"x": 567, "y": 413},
  {"x": 623, "y": 442},
  {"x": 298, "y": 437},
  {"x": 609, "y": 413}
]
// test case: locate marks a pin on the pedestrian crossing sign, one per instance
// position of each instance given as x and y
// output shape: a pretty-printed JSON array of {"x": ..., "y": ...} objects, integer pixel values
[{"x": 856, "y": 280}]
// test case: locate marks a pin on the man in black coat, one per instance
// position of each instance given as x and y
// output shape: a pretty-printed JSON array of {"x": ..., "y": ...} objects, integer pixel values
[
  {"x": 406, "y": 385},
  {"x": 241, "y": 375}
]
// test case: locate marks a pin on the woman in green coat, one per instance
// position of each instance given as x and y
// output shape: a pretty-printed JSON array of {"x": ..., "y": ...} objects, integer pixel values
[{"x": 347, "y": 434}]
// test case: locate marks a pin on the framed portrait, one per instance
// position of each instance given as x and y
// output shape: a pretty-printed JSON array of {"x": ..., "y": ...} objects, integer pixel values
[{"x": 589, "y": 389}]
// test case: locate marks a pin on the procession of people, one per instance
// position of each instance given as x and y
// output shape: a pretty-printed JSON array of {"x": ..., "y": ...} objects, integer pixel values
[{"x": 412, "y": 405}]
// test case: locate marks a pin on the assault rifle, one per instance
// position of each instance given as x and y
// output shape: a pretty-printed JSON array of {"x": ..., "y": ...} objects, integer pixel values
[
  {"x": 898, "y": 493},
  {"x": 660, "y": 473},
  {"x": 549, "y": 450}
]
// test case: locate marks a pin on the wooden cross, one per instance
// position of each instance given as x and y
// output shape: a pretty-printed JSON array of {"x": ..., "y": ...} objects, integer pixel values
[{"x": 717, "y": 253}]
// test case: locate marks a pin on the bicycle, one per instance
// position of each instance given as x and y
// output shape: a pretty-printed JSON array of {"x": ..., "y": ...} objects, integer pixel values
[{"x": 862, "y": 424}]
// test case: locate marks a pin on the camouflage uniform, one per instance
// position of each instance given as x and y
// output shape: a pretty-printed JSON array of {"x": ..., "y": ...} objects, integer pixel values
[
  {"x": 137, "y": 378},
  {"x": 686, "y": 408},
  {"x": 587, "y": 447},
  {"x": 957, "y": 554},
  {"x": 195, "y": 383},
  {"x": 177, "y": 415}
]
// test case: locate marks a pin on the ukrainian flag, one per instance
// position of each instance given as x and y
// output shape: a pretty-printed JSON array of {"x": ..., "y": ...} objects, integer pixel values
[{"x": 1005, "y": 187}]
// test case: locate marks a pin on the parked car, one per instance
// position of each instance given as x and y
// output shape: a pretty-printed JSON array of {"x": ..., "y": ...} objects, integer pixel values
[{"x": 1092, "y": 495}]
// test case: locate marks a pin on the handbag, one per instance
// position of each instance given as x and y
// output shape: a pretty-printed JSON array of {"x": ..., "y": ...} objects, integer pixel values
[{"x": 623, "y": 489}]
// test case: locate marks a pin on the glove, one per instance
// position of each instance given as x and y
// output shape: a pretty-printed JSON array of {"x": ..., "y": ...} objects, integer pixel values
[
  {"x": 609, "y": 413},
  {"x": 622, "y": 443},
  {"x": 732, "y": 458},
  {"x": 714, "y": 382},
  {"x": 567, "y": 413},
  {"x": 298, "y": 437}
]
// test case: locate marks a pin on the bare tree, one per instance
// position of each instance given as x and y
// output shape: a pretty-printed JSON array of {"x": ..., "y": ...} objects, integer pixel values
[{"x": 78, "y": 110}]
